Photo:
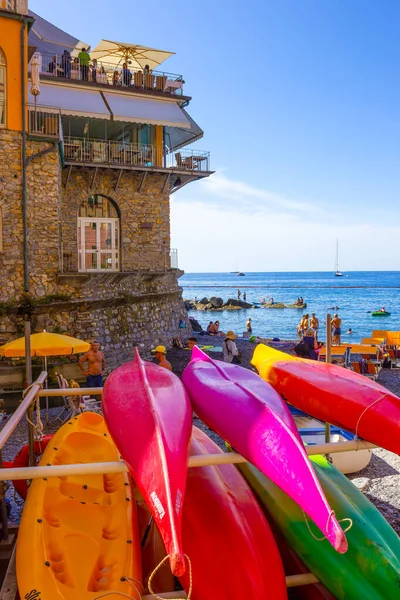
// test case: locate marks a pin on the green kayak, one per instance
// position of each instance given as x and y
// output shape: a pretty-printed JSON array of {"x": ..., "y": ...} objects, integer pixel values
[
  {"x": 370, "y": 569},
  {"x": 380, "y": 313}
]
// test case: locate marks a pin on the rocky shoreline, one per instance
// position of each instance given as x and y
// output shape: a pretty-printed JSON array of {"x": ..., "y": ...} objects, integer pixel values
[{"x": 218, "y": 304}]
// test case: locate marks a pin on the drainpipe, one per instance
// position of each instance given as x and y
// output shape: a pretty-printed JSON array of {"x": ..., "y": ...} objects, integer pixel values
[{"x": 24, "y": 198}]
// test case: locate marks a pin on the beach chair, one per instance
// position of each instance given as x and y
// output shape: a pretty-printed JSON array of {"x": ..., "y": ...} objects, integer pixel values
[{"x": 74, "y": 405}]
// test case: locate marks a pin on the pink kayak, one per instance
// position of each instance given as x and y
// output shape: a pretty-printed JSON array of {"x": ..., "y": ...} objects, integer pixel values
[
  {"x": 149, "y": 417},
  {"x": 248, "y": 413}
]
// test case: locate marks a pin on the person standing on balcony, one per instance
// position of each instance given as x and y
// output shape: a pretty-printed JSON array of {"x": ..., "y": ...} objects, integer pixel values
[
  {"x": 84, "y": 61},
  {"x": 126, "y": 75},
  {"x": 66, "y": 64},
  {"x": 94, "y": 69}
]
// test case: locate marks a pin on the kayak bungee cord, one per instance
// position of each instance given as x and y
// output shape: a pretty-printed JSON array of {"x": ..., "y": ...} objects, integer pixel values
[
  {"x": 331, "y": 514},
  {"x": 365, "y": 410},
  {"x": 189, "y": 594},
  {"x": 128, "y": 580}
]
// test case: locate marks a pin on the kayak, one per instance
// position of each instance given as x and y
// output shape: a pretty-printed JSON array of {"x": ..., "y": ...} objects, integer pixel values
[
  {"x": 370, "y": 569},
  {"x": 78, "y": 536},
  {"x": 312, "y": 431},
  {"x": 334, "y": 395},
  {"x": 149, "y": 416},
  {"x": 380, "y": 313},
  {"x": 261, "y": 428}
]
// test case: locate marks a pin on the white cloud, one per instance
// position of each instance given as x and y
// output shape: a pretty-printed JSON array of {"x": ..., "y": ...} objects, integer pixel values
[
  {"x": 211, "y": 238},
  {"x": 247, "y": 195}
]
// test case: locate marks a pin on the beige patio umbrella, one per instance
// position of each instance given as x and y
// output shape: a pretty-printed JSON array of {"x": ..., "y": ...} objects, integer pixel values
[{"x": 116, "y": 53}]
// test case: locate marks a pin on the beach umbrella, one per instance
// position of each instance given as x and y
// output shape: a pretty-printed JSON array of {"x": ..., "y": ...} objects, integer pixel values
[
  {"x": 137, "y": 57},
  {"x": 45, "y": 344}
]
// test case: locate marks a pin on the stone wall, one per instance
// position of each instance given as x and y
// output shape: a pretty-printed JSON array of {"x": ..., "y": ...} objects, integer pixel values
[
  {"x": 142, "y": 305},
  {"x": 144, "y": 214}
]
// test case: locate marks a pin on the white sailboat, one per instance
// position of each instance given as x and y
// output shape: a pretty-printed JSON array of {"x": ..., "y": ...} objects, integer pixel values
[{"x": 337, "y": 273}]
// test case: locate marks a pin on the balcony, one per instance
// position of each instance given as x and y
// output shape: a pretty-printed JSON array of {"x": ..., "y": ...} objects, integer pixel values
[
  {"x": 105, "y": 75},
  {"x": 44, "y": 122},
  {"x": 16, "y": 6},
  {"x": 94, "y": 152}
]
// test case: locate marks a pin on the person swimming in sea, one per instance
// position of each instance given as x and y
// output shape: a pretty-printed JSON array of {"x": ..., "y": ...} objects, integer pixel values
[{"x": 349, "y": 332}]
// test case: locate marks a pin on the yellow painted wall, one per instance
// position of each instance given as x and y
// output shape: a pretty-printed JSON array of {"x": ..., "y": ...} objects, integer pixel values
[{"x": 10, "y": 43}]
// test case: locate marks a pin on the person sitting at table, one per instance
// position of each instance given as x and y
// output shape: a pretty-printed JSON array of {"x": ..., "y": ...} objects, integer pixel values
[
  {"x": 146, "y": 70},
  {"x": 126, "y": 75},
  {"x": 102, "y": 76},
  {"x": 53, "y": 66},
  {"x": 116, "y": 78},
  {"x": 75, "y": 69}
]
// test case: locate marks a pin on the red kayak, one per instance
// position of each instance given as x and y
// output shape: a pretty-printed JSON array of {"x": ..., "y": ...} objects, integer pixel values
[
  {"x": 149, "y": 417},
  {"x": 225, "y": 533},
  {"x": 334, "y": 394}
]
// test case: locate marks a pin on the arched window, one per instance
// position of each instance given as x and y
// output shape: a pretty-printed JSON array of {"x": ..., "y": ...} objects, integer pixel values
[
  {"x": 2, "y": 89},
  {"x": 98, "y": 235}
]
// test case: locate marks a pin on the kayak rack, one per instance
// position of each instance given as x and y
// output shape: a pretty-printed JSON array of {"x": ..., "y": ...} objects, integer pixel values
[{"x": 33, "y": 395}]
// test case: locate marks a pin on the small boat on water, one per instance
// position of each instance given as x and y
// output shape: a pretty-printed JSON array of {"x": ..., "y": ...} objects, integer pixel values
[
  {"x": 337, "y": 272},
  {"x": 380, "y": 313},
  {"x": 241, "y": 274}
]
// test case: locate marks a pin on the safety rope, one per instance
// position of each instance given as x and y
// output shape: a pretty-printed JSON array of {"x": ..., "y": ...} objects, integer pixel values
[
  {"x": 160, "y": 565},
  {"x": 367, "y": 408},
  {"x": 331, "y": 514}
]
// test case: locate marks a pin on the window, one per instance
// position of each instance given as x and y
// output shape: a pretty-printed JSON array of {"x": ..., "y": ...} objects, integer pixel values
[
  {"x": 98, "y": 235},
  {"x": 2, "y": 89}
]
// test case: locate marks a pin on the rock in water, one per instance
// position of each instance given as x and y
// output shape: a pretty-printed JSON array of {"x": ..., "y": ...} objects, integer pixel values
[{"x": 216, "y": 302}]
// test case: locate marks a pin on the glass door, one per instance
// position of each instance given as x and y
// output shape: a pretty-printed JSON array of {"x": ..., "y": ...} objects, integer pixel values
[{"x": 98, "y": 244}]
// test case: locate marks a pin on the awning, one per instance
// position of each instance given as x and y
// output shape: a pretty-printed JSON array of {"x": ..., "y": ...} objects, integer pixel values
[
  {"x": 132, "y": 109},
  {"x": 48, "y": 38},
  {"x": 176, "y": 137},
  {"x": 72, "y": 101}
]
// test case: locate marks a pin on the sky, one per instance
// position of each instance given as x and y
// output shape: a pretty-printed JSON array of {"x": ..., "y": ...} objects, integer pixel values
[{"x": 299, "y": 102}]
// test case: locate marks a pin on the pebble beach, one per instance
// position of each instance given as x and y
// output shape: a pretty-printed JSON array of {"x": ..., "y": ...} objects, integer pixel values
[{"x": 379, "y": 481}]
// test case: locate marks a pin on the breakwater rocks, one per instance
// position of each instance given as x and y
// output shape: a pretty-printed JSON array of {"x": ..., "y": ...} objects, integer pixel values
[{"x": 233, "y": 304}]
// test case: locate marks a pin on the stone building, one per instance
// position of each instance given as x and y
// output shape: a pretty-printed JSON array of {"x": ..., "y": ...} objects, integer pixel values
[{"x": 86, "y": 172}]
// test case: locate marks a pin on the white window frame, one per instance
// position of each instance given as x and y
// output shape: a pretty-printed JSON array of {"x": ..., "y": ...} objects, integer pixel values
[{"x": 113, "y": 251}]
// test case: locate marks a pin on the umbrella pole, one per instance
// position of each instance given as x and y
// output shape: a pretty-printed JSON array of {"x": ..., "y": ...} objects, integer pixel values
[
  {"x": 28, "y": 378},
  {"x": 47, "y": 398}
]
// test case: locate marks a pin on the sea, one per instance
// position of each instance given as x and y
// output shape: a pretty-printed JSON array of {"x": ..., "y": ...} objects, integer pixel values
[{"x": 353, "y": 296}]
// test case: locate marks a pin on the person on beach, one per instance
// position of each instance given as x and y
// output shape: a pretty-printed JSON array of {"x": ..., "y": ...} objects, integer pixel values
[
  {"x": 244, "y": 297},
  {"x": 314, "y": 323},
  {"x": 303, "y": 325},
  {"x": 215, "y": 329},
  {"x": 210, "y": 327},
  {"x": 160, "y": 354},
  {"x": 336, "y": 330},
  {"x": 248, "y": 325},
  {"x": 96, "y": 365},
  {"x": 229, "y": 348},
  {"x": 308, "y": 340},
  {"x": 192, "y": 341},
  {"x": 239, "y": 294}
]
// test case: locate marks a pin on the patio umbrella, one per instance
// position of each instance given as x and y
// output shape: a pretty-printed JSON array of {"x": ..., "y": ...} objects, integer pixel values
[
  {"x": 35, "y": 82},
  {"x": 116, "y": 53},
  {"x": 45, "y": 344}
]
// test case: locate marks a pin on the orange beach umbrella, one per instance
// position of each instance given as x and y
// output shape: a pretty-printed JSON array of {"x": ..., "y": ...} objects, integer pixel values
[{"x": 45, "y": 344}]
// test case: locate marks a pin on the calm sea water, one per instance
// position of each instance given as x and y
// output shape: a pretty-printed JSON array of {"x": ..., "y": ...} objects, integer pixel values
[{"x": 356, "y": 295}]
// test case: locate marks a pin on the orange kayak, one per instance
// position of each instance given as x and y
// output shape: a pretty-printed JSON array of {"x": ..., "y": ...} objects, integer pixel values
[{"x": 333, "y": 394}]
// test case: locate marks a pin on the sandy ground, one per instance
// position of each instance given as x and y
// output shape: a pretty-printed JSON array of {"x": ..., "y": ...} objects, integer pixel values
[{"x": 380, "y": 481}]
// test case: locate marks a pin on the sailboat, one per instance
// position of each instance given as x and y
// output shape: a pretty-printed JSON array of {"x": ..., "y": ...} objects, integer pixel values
[{"x": 337, "y": 273}]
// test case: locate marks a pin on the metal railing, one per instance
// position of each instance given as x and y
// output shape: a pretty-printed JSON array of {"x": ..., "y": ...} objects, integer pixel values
[
  {"x": 64, "y": 66},
  {"x": 110, "y": 152},
  {"x": 44, "y": 122},
  {"x": 188, "y": 160},
  {"x": 18, "y": 6}
]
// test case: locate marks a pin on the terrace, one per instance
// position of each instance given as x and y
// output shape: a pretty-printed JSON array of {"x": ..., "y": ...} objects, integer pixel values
[
  {"x": 97, "y": 152},
  {"x": 99, "y": 73}
]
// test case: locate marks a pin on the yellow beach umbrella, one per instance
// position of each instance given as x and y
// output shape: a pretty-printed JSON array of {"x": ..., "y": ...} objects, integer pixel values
[{"x": 45, "y": 344}]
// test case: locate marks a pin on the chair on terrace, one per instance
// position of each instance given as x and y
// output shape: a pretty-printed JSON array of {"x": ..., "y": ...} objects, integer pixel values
[
  {"x": 74, "y": 405},
  {"x": 182, "y": 163}
]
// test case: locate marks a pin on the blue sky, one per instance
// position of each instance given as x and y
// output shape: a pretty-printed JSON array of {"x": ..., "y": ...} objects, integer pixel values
[{"x": 299, "y": 101}]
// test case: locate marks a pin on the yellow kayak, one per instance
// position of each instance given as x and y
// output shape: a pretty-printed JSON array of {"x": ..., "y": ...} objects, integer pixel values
[{"x": 78, "y": 537}]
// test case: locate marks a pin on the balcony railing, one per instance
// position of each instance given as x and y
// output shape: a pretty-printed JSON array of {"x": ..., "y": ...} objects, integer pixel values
[
  {"x": 44, "y": 122},
  {"x": 62, "y": 66},
  {"x": 119, "y": 154},
  {"x": 17, "y": 6}
]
